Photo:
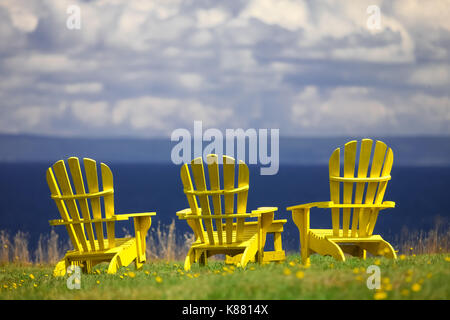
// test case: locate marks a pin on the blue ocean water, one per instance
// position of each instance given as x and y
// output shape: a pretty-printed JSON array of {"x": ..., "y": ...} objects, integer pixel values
[{"x": 421, "y": 194}]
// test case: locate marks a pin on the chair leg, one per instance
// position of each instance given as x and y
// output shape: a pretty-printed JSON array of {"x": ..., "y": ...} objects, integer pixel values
[
  {"x": 301, "y": 220},
  {"x": 61, "y": 267},
  {"x": 190, "y": 259},
  {"x": 248, "y": 254},
  {"x": 114, "y": 264},
  {"x": 203, "y": 259}
]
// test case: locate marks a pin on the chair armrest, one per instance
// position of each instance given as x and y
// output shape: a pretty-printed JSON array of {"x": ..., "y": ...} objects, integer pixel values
[
  {"x": 331, "y": 204},
  {"x": 262, "y": 210},
  {"x": 325, "y": 204},
  {"x": 119, "y": 217},
  {"x": 135, "y": 215}
]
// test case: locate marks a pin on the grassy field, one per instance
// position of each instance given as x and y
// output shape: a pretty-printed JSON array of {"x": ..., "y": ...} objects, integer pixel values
[{"x": 410, "y": 277}]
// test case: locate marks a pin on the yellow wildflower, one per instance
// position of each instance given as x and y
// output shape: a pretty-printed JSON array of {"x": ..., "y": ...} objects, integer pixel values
[
  {"x": 158, "y": 279},
  {"x": 35, "y": 285},
  {"x": 356, "y": 270},
  {"x": 31, "y": 276},
  {"x": 300, "y": 274},
  {"x": 447, "y": 259},
  {"x": 359, "y": 278},
  {"x": 146, "y": 272},
  {"x": 286, "y": 271},
  {"x": 402, "y": 257},
  {"x": 131, "y": 274},
  {"x": 380, "y": 295},
  {"x": 292, "y": 263},
  {"x": 416, "y": 287},
  {"x": 98, "y": 281},
  {"x": 377, "y": 262}
]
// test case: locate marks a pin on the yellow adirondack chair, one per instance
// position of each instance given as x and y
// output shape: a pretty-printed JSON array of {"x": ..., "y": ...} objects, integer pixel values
[
  {"x": 86, "y": 230},
  {"x": 353, "y": 234},
  {"x": 225, "y": 230}
]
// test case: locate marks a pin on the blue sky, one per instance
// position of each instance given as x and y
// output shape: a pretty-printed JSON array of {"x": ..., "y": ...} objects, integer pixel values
[{"x": 145, "y": 68}]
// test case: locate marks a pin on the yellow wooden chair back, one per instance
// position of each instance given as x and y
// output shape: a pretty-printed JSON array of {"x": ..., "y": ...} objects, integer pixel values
[
  {"x": 358, "y": 184},
  {"x": 81, "y": 207},
  {"x": 229, "y": 199}
]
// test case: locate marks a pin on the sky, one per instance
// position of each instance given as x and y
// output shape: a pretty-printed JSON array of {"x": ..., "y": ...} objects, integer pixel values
[{"x": 145, "y": 68}]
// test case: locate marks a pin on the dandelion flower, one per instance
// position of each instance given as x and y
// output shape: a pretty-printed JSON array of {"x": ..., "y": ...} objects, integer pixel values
[
  {"x": 402, "y": 257},
  {"x": 388, "y": 287},
  {"x": 377, "y": 262},
  {"x": 356, "y": 270},
  {"x": 131, "y": 274},
  {"x": 252, "y": 268},
  {"x": 447, "y": 259},
  {"x": 35, "y": 285},
  {"x": 98, "y": 281},
  {"x": 300, "y": 274},
  {"x": 380, "y": 295},
  {"x": 158, "y": 279},
  {"x": 408, "y": 279},
  {"x": 146, "y": 272},
  {"x": 196, "y": 275},
  {"x": 31, "y": 276},
  {"x": 286, "y": 271},
  {"x": 121, "y": 277},
  {"x": 416, "y": 287},
  {"x": 292, "y": 263}
]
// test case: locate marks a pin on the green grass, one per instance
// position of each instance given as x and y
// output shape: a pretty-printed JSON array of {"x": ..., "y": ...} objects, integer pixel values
[{"x": 325, "y": 279}]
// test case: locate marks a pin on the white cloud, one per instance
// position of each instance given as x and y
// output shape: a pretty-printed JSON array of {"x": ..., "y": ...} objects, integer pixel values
[
  {"x": 164, "y": 114},
  {"x": 346, "y": 110},
  {"x": 88, "y": 87},
  {"x": 211, "y": 18},
  {"x": 96, "y": 114},
  {"x": 190, "y": 80},
  {"x": 288, "y": 14},
  {"x": 435, "y": 75},
  {"x": 21, "y": 14},
  {"x": 47, "y": 63}
]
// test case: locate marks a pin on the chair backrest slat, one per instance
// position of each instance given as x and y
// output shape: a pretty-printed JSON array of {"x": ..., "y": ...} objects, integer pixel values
[
  {"x": 349, "y": 172},
  {"x": 228, "y": 184},
  {"x": 214, "y": 182},
  {"x": 220, "y": 230},
  {"x": 108, "y": 201},
  {"x": 334, "y": 168},
  {"x": 243, "y": 180},
  {"x": 196, "y": 224},
  {"x": 51, "y": 181},
  {"x": 363, "y": 167},
  {"x": 367, "y": 188},
  {"x": 90, "y": 167},
  {"x": 200, "y": 183},
  {"x": 66, "y": 190},
  {"x": 77, "y": 179}
]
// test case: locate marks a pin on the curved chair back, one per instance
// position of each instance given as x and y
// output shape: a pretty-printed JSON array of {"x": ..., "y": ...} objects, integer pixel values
[
  {"x": 356, "y": 183},
  {"x": 223, "y": 222},
  {"x": 80, "y": 207}
]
